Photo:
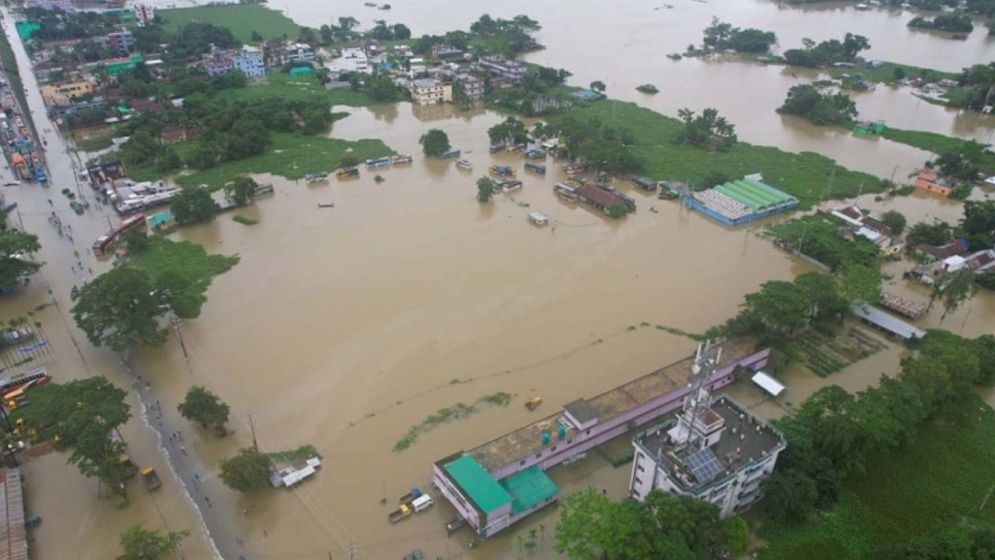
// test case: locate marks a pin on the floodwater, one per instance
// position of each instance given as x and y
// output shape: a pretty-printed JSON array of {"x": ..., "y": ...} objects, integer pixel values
[
  {"x": 342, "y": 327},
  {"x": 624, "y": 45}
]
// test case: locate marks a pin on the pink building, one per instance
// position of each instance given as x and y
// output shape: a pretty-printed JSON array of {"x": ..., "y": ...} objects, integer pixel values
[{"x": 481, "y": 483}]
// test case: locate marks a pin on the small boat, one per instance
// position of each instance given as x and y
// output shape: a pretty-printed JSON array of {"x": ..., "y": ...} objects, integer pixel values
[
  {"x": 455, "y": 525},
  {"x": 326, "y": 205},
  {"x": 465, "y": 165},
  {"x": 501, "y": 171},
  {"x": 315, "y": 177},
  {"x": 377, "y": 163},
  {"x": 674, "y": 56},
  {"x": 862, "y": 6},
  {"x": 370, "y": 4},
  {"x": 451, "y": 154},
  {"x": 347, "y": 173},
  {"x": 533, "y": 402},
  {"x": 535, "y": 168},
  {"x": 400, "y": 159}
]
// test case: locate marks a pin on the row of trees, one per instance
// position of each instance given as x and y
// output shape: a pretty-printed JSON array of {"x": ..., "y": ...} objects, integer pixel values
[
  {"x": 707, "y": 130},
  {"x": 487, "y": 36},
  {"x": 592, "y": 527},
  {"x": 834, "y": 432},
  {"x": 815, "y": 55},
  {"x": 599, "y": 146},
  {"x": 952, "y": 23},
  {"x": 720, "y": 36},
  {"x": 782, "y": 311},
  {"x": 820, "y": 108}
]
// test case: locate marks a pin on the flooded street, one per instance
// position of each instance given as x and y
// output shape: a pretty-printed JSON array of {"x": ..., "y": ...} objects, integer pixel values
[{"x": 343, "y": 327}]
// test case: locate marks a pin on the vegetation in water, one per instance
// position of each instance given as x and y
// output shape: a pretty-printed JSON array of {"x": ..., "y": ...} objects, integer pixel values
[
  {"x": 302, "y": 453},
  {"x": 139, "y": 543},
  {"x": 204, "y": 407},
  {"x": 248, "y": 471},
  {"x": 951, "y": 23},
  {"x": 810, "y": 103},
  {"x": 815, "y": 55},
  {"x": 452, "y": 413},
  {"x": 647, "y": 88},
  {"x": 435, "y": 142},
  {"x": 722, "y": 36},
  {"x": 244, "y": 220}
]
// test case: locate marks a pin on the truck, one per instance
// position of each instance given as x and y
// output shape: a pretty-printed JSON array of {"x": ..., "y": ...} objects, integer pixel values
[
  {"x": 399, "y": 514},
  {"x": 150, "y": 479},
  {"x": 422, "y": 503},
  {"x": 411, "y": 496}
]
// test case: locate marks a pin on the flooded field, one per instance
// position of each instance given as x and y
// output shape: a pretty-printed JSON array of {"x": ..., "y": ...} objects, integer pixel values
[{"x": 342, "y": 327}]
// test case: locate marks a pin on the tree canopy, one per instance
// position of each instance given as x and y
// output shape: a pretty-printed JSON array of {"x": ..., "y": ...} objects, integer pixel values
[
  {"x": 192, "y": 205},
  {"x": 241, "y": 190},
  {"x": 827, "y": 52},
  {"x": 204, "y": 407},
  {"x": 592, "y": 527},
  {"x": 120, "y": 309},
  {"x": 15, "y": 246},
  {"x": 435, "y": 142},
  {"x": 139, "y": 543},
  {"x": 246, "y": 472},
  {"x": 808, "y": 101},
  {"x": 721, "y": 36},
  {"x": 707, "y": 130},
  {"x": 510, "y": 131}
]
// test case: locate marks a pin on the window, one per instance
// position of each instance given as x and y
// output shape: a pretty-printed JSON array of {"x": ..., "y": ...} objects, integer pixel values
[
  {"x": 539, "y": 454},
  {"x": 587, "y": 433},
  {"x": 522, "y": 462},
  {"x": 639, "y": 468},
  {"x": 569, "y": 441},
  {"x": 637, "y": 481},
  {"x": 552, "y": 449}
]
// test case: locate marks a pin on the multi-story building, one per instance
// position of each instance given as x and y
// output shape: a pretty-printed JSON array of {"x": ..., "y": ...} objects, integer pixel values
[
  {"x": 299, "y": 53},
  {"x": 469, "y": 87},
  {"x": 249, "y": 61},
  {"x": 218, "y": 61},
  {"x": 716, "y": 451},
  {"x": 121, "y": 42},
  {"x": 503, "y": 68},
  {"x": 429, "y": 91},
  {"x": 144, "y": 13},
  {"x": 352, "y": 59},
  {"x": 503, "y": 480}
]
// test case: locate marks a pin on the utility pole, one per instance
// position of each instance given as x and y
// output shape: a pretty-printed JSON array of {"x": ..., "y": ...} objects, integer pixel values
[{"x": 252, "y": 428}]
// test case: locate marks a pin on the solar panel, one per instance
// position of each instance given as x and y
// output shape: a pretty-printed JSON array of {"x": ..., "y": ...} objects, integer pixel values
[{"x": 704, "y": 465}]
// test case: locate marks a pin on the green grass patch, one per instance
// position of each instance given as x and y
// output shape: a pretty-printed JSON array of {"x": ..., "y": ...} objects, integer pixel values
[
  {"x": 302, "y": 88},
  {"x": 302, "y": 453},
  {"x": 241, "y": 19},
  {"x": 290, "y": 155},
  {"x": 189, "y": 261},
  {"x": 458, "y": 411},
  {"x": 244, "y": 220},
  {"x": 937, "y": 482},
  {"x": 936, "y": 143},
  {"x": 804, "y": 175},
  {"x": 885, "y": 73},
  {"x": 94, "y": 143}
]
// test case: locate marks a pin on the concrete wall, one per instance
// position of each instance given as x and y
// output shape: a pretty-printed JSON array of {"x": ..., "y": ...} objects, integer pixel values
[{"x": 559, "y": 451}]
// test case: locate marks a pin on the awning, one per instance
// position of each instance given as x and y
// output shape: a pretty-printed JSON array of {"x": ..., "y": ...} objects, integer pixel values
[{"x": 768, "y": 383}]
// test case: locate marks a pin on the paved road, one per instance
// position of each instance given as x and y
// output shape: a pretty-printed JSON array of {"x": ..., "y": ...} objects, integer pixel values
[{"x": 69, "y": 263}]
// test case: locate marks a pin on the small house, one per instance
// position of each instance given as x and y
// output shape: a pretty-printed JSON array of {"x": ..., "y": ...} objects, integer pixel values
[{"x": 929, "y": 181}]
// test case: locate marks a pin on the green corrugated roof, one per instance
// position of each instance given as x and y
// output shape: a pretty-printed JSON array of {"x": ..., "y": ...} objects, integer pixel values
[
  {"x": 739, "y": 195},
  {"x": 528, "y": 489},
  {"x": 753, "y": 193},
  {"x": 778, "y": 193},
  {"x": 479, "y": 485}
]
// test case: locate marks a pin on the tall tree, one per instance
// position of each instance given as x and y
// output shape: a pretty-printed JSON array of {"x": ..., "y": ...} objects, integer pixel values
[
  {"x": 953, "y": 290},
  {"x": 485, "y": 189},
  {"x": 435, "y": 142},
  {"x": 193, "y": 204},
  {"x": 15, "y": 246},
  {"x": 246, "y": 472},
  {"x": 203, "y": 406},
  {"x": 139, "y": 543},
  {"x": 119, "y": 309},
  {"x": 241, "y": 190}
]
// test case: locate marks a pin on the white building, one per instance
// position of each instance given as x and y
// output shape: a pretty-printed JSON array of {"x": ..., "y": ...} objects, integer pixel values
[
  {"x": 352, "y": 60},
  {"x": 713, "y": 450},
  {"x": 429, "y": 91},
  {"x": 144, "y": 13},
  {"x": 299, "y": 53}
]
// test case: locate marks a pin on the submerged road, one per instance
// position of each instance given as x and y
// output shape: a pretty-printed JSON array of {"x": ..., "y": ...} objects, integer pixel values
[{"x": 66, "y": 248}]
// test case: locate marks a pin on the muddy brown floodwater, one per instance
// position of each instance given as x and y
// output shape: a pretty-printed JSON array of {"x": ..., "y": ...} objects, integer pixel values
[{"x": 343, "y": 327}]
